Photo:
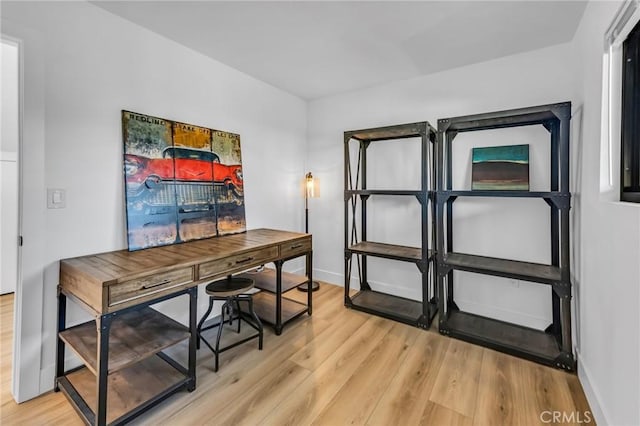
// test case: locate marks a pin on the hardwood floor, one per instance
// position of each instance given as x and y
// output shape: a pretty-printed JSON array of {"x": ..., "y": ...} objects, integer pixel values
[{"x": 340, "y": 367}]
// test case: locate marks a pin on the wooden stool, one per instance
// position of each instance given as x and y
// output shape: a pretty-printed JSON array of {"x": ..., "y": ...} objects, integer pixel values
[{"x": 230, "y": 290}]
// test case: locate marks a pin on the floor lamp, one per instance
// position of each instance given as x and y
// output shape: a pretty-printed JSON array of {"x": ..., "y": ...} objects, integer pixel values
[{"x": 309, "y": 192}]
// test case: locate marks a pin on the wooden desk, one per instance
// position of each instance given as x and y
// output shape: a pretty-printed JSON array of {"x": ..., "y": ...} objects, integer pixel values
[{"x": 124, "y": 345}]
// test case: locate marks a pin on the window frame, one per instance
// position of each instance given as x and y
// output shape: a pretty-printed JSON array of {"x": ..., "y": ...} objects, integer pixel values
[
  {"x": 630, "y": 122},
  {"x": 611, "y": 142}
]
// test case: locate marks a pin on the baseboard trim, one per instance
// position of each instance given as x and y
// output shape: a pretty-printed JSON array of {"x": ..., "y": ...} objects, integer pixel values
[
  {"x": 338, "y": 279},
  {"x": 48, "y": 374},
  {"x": 487, "y": 310},
  {"x": 592, "y": 395},
  {"x": 499, "y": 313},
  {"x": 331, "y": 277}
]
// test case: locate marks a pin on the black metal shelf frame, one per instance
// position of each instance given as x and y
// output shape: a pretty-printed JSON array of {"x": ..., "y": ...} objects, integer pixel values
[
  {"x": 98, "y": 414},
  {"x": 356, "y": 194},
  {"x": 486, "y": 331}
]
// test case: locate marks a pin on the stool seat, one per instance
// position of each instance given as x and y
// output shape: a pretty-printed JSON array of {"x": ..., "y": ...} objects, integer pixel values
[
  {"x": 229, "y": 287},
  {"x": 232, "y": 291}
]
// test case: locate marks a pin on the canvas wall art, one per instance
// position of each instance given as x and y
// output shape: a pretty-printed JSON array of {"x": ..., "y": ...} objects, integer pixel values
[
  {"x": 500, "y": 168},
  {"x": 182, "y": 182}
]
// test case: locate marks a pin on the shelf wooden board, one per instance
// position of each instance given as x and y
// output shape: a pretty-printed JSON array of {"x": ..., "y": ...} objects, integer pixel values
[
  {"x": 387, "y": 305},
  {"x": 497, "y": 193},
  {"x": 400, "y": 131},
  {"x": 506, "y": 337},
  {"x": 265, "y": 306},
  {"x": 412, "y": 192},
  {"x": 134, "y": 336},
  {"x": 527, "y": 271},
  {"x": 266, "y": 280},
  {"x": 388, "y": 251},
  {"x": 128, "y": 388}
]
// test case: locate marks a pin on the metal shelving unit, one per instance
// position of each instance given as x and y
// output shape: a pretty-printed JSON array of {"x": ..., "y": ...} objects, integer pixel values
[
  {"x": 552, "y": 346},
  {"x": 419, "y": 313}
]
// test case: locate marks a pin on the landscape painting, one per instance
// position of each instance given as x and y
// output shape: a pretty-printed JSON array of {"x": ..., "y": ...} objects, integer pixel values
[
  {"x": 500, "y": 168},
  {"x": 182, "y": 182}
]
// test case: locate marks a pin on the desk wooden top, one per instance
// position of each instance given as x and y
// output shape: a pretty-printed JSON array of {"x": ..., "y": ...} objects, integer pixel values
[{"x": 110, "y": 281}]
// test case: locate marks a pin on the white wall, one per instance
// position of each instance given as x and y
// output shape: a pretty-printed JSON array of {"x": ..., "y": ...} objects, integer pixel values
[
  {"x": 97, "y": 64},
  {"x": 9, "y": 168},
  {"x": 608, "y": 294},
  {"x": 516, "y": 229}
]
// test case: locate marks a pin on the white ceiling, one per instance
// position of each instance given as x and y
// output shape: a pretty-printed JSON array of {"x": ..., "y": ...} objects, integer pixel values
[{"x": 318, "y": 48}]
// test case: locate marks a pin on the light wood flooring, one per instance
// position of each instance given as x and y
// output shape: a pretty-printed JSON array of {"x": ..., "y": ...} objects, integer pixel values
[{"x": 339, "y": 367}]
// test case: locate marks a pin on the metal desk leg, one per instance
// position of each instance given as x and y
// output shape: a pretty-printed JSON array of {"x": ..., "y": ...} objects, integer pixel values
[
  {"x": 60, "y": 348},
  {"x": 103, "y": 324},
  {"x": 193, "y": 308},
  {"x": 278, "y": 324}
]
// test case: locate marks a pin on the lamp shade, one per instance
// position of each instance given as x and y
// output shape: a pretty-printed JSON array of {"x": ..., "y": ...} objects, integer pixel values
[{"x": 311, "y": 186}]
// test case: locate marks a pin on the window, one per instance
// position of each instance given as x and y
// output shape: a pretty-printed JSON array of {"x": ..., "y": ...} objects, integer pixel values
[
  {"x": 630, "y": 136},
  {"x": 620, "y": 137}
]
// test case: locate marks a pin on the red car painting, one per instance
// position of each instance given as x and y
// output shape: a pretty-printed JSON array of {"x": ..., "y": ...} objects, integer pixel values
[{"x": 193, "y": 177}]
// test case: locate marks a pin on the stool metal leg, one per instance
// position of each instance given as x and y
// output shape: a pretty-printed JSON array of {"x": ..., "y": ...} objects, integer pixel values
[
  {"x": 201, "y": 323},
  {"x": 230, "y": 311},
  {"x": 225, "y": 307},
  {"x": 238, "y": 312}
]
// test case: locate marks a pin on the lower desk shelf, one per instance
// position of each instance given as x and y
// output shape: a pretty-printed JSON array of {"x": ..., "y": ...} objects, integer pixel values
[
  {"x": 265, "y": 307},
  {"x": 266, "y": 280},
  {"x": 529, "y": 343},
  {"x": 133, "y": 336},
  {"x": 389, "y": 306},
  {"x": 129, "y": 390},
  {"x": 265, "y": 301}
]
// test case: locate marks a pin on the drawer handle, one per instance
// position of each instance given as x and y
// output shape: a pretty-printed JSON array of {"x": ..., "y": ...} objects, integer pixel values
[
  {"x": 163, "y": 282},
  {"x": 248, "y": 259},
  {"x": 296, "y": 246}
]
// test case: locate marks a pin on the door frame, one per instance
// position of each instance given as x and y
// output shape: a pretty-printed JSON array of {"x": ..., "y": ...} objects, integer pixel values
[{"x": 29, "y": 295}]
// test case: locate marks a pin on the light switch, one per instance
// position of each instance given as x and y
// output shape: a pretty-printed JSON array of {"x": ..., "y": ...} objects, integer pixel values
[{"x": 56, "y": 198}]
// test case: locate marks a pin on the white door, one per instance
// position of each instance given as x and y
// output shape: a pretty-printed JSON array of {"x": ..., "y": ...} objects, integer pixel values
[
  {"x": 9, "y": 168},
  {"x": 9, "y": 221}
]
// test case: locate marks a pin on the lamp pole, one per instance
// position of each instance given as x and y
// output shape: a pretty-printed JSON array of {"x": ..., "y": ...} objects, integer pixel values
[
  {"x": 308, "y": 192},
  {"x": 306, "y": 211}
]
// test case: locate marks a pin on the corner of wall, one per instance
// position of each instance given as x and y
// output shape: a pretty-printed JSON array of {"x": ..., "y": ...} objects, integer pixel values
[{"x": 590, "y": 392}]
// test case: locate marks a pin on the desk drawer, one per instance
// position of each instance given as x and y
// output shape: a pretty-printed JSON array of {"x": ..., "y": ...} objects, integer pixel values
[
  {"x": 238, "y": 262},
  {"x": 295, "y": 247},
  {"x": 141, "y": 287}
]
